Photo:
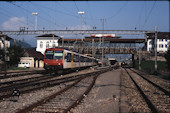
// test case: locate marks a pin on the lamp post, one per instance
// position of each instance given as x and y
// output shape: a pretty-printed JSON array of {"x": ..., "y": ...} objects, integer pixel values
[
  {"x": 35, "y": 20},
  {"x": 81, "y": 13},
  {"x": 156, "y": 35}
]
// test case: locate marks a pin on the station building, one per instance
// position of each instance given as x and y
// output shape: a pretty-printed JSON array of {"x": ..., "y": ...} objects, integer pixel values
[
  {"x": 163, "y": 41},
  {"x": 46, "y": 41}
]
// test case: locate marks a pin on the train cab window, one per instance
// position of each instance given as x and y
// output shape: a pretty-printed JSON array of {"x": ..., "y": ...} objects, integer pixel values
[
  {"x": 68, "y": 57},
  {"x": 49, "y": 54},
  {"x": 58, "y": 55}
]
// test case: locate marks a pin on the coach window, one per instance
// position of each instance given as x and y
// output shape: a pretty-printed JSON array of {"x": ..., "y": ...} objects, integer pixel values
[
  {"x": 81, "y": 59},
  {"x": 85, "y": 59},
  {"x": 75, "y": 58},
  {"x": 68, "y": 57}
]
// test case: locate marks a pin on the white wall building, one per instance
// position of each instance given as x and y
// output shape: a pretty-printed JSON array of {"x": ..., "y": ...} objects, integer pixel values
[
  {"x": 5, "y": 41},
  {"x": 162, "y": 41},
  {"x": 46, "y": 41}
]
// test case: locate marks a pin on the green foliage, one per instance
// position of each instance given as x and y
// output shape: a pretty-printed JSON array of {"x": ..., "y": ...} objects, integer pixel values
[
  {"x": 1, "y": 55},
  {"x": 149, "y": 66},
  {"x": 15, "y": 52},
  {"x": 167, "y": 57}
]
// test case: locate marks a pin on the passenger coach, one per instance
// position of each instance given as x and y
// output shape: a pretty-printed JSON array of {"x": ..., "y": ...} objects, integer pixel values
[{"x": 60, "y": 59}]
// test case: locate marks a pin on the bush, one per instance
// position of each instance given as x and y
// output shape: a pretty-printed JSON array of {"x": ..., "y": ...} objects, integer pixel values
[{"x": 167, "y": 57}]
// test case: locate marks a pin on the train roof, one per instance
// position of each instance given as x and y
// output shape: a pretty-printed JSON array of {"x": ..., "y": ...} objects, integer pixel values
[{"x": 64, "y": 48}]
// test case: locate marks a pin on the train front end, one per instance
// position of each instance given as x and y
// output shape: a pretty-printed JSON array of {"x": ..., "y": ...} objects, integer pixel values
[{"x": 53, "y": 60}]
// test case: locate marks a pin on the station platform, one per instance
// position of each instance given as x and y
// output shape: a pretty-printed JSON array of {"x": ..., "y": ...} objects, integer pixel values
[{"x": 106, "y": 96}]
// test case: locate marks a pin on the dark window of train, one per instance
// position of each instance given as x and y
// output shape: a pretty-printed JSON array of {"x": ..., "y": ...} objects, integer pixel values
[
  {"x": 85, "y": 59},
  {"x": 75, "y": 58},
  {"x": 49, "y": 55},
  {"x": 68, "y": 57},
  {"x": 88, "y": 60},
  {"x": 81, "y": 59}
]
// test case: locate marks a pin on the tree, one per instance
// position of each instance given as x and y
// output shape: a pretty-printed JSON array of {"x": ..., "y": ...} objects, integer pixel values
[
  {"x": 1, "y": 54},
  {"x": 167, "y": 57},
  {"x": 15, "y": 52}
]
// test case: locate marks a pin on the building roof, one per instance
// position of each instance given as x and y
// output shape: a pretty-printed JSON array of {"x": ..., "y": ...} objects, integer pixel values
[
  {"x": 31, "y": 52},
  {"x": 7, "y": 37},
  {"x": 48, "y": 35},
  {"x": 160, "y": 35}
]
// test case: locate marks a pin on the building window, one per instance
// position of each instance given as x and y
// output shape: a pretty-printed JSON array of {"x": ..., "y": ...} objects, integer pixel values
[
  {"x": 47, "y": 44},
  {"x": 150, "y": 42},
  {"x": 166, "y": 46},
  {"x": 41, "y": 44},
  {"x": 161, "y": 45},
  {"x": 53, "y": 44}
]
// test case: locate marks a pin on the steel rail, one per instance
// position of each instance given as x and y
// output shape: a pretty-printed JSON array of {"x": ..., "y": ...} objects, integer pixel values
[
  {"x": 47, "y": 99},
  {"x": 157, "y": 86},
  {"x": 82, "y": 96},
  {"x": 22, "y": 74},
  {"x": 29, "y": 108},
  {"x": 147, "y": 100}
]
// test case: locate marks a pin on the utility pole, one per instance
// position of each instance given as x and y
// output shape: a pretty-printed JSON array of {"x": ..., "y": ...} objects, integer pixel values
[
  {"x": 92, "y": 47},
  {"x": 81, "y": 13},
  {"x": 156, "y": 33},
  {"x": 139, "y": 57},
  {"x": 103, "y": 41}
]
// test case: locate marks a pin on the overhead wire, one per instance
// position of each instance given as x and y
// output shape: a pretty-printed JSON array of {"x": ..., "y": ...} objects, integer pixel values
[
  {"x": 43, "y": 11},
  {"x": 61, "y": 12},
  {"x": 114, "y": 15},
  {"x": 6, "y": 14},
  {"x": 147, "y": 18},
  {"x": 31, "y": 12}
]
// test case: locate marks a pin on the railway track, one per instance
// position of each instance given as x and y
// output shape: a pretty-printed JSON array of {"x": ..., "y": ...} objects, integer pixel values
[
  {"x": 157, "y": 100},
  {"x": 162, "y": 84},
  {"x": 67, "y": 98},
  {"x": 22, "y": 73},
  {"x": 26, "y": 86},
  {"x": 34, "y": 85},
  {"x": 64, "y": 100}
]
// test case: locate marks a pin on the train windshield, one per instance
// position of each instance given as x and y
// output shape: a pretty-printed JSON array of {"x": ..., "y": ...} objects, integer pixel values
[
  {"x": 54, "y": 54},
  {"x": 49, "y": 54},
  {"x": 58, "y": 55}
]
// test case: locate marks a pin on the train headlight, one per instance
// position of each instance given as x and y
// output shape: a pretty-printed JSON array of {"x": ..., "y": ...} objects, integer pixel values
[
  {"x": 46, "y": 63},
  {"x": 59, "y": 64}
]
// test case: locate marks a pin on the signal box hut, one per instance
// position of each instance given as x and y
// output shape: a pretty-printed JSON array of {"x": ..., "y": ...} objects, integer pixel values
[{"x": 31, "y": 59}]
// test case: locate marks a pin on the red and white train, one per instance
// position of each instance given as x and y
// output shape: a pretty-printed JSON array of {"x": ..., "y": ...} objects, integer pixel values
[{"x": 60, "y": 59}]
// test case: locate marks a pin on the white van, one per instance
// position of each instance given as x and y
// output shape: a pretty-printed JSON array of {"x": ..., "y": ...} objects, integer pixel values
[{"x": 24, "y": 64}]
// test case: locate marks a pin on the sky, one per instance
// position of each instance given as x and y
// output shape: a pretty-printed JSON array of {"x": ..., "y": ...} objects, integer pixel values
[{"x": 61, "y": 15}]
